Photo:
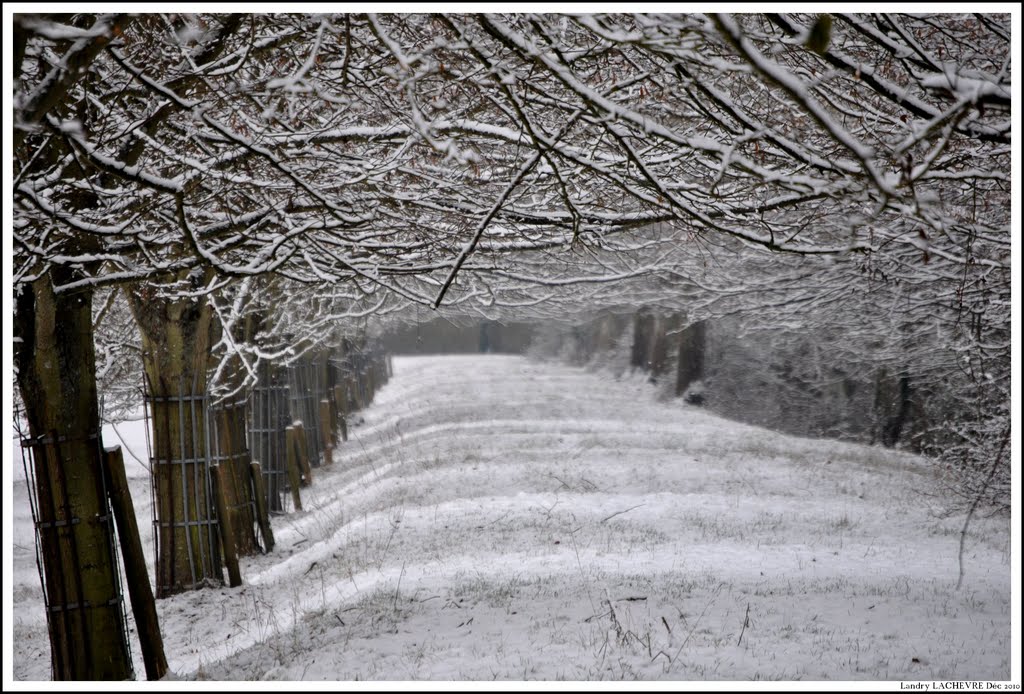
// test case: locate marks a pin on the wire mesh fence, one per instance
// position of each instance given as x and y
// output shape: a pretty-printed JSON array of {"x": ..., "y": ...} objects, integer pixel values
[
  {"x": 269, "y": 417},
  {"x": 73, "y": 543},
  {"x": 306, "y": 389},
  {"x": 186, "y": 535}
]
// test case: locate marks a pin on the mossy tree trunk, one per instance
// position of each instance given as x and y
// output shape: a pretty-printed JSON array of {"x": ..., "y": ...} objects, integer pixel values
[
  {"x": 176, "y": 350},
  {"x": 55, "y": 359}
]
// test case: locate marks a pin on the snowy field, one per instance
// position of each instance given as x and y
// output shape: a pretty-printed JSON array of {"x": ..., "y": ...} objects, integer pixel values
[{"x": 497, "y": 518}]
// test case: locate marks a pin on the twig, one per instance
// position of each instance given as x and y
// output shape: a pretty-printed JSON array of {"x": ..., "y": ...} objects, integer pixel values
[
  {"x": 746, "y": 623},
  {"x": 121, "y": 438},
  {"x": 615, "y": 621},
  {"x": 398, "y": 587},
  {"x": 974, "y": 505},
  {"x": 583, "y": 575},
  {"x": 667, "y": 657},
  {"x": 500, "y": 518},
  {"x": 619, "y": 513},
  {"x": 560, "y": 480},
  {"x": 699, "y": 617},
  {"x": 380, "y": 565}
]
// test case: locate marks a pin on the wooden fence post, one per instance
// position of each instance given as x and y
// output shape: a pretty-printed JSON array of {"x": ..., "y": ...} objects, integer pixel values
[
  {"x": 302, "y": 454},
  {"x": 341, "y": 397},
  {"x": 350, "y": 398},
  {"x": 326, "y": 431},
  {"x": 139, "y": 590},
  {"x": 294, "y": 477},
  {"x": 227, "y": 535},
  {"x": 332, "y": 400},
  {"x": 690, "y": 362},
  {"x": 262, "y": 517},
  {"x": 230, "y": 447}
]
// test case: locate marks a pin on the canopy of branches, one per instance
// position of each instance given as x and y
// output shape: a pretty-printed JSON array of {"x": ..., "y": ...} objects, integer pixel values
[{"x": 846, "y": 170}]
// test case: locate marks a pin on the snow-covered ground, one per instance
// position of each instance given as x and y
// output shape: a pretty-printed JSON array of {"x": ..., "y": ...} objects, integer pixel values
[{"x": 497, "y": 518}]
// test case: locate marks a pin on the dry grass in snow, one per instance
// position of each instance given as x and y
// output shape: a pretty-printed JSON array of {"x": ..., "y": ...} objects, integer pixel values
[{"x": 496, "y": 518}]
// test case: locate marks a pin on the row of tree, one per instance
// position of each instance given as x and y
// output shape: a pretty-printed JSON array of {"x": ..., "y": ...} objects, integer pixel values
[
  {"x": 220, "y": 192},
  {"x": 804, "y": 382}
]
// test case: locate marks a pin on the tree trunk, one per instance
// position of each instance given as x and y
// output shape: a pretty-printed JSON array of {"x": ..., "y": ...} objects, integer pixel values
[
  {"x": 55, "y": 359},
  {"x": 690, "y": 365},
  {"x": 660, "y": 344},
  {"x": 892, "y": 407},
  {"x": 176, "y": 350},
  {"x": 604, "y": 341},
  {"x": 643, "y": 325}
]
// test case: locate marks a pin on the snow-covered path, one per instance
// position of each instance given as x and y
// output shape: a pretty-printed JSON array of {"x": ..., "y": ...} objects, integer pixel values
[{"x": 497, "y": 518}]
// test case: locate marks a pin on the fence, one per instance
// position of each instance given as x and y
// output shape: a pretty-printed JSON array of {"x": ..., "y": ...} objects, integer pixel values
[
  {"x": 307, "y": 387},
  {"x": 186, "y": 534},
  {"x": 269, "y": 417},
  {"x": 70, "y": 540}
]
